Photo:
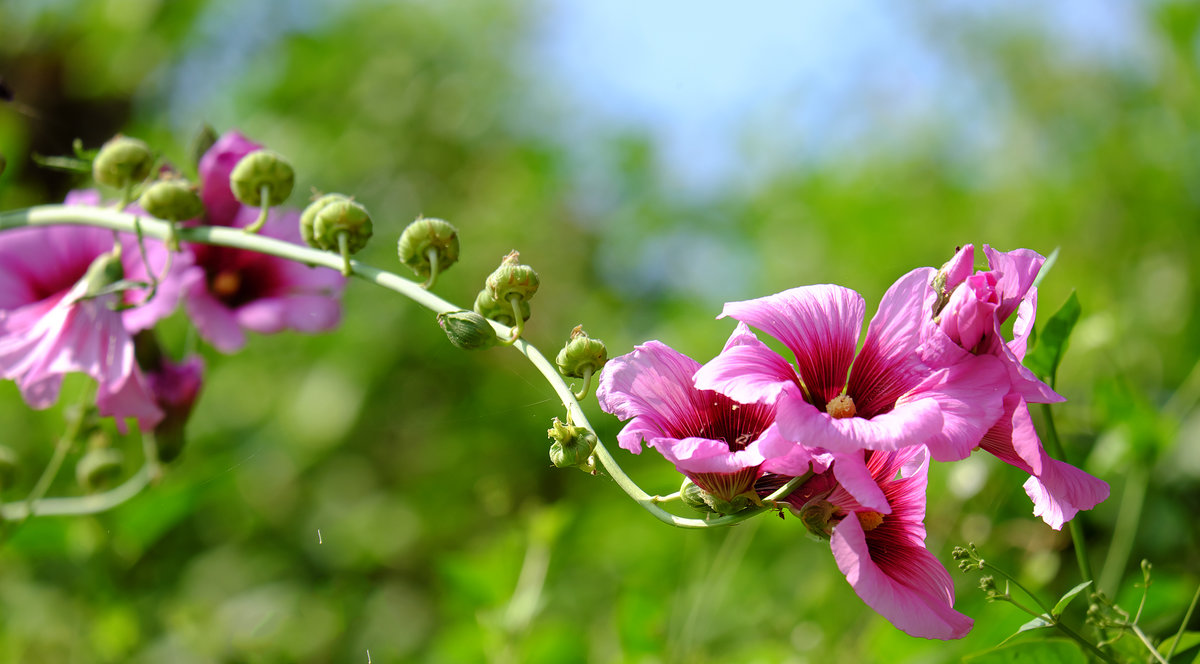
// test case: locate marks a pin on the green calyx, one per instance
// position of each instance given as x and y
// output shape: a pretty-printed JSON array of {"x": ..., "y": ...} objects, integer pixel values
[
  {"x": 500, "y": 312},
  {"x": 581, "y": 355},
  {"x": 467, "y": 330},
  {"x": 425, "y": 242},
  {"x": 172, "y": 199},
  {"x": 342, "y": 218},
  {"x": 105, "y": 271},
  {"x": 702, "y": 501},
  {"x": 262, "y": 178},
  {"x": 512, "y": 279},
  {"x": 817, "y": 515},
  {"x": 572, "y": 446},
  {"x": 122, "y": 162}
]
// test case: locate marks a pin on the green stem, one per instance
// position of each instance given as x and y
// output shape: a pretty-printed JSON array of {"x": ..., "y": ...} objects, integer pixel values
[
  {"x": 52, "y": 215},
  {"x": 1187, "y": 617},
  {"x": 91, "y": 504},
  {"x": 1076, "y": 530},
  {"x": 1133, "y": 497},
  {"x": 264, "y": 210},
  {"x": 344, "y": 250},
  {"x": 1146, "y": 642},
  {"x": 1045, "y": 609},
  {"x": 670, "y": 497},
  {"x": 432, "y": 255},
  {"x": 587, "y": 384},
  {"x": 1084, "y": 642}
]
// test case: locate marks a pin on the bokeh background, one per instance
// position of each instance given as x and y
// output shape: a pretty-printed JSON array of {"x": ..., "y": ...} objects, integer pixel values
[{"x": 651, "y": 163}]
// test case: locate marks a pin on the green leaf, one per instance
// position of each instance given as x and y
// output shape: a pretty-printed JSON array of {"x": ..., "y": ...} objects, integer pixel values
[
  {"x": 1045, "y": 651},
  {"x": 1036, "y": 623},
  {"x": 1066, "y": 599},
  {"x": 1187, "y": 642},
  {"x": 1049, "y": 263},
  {"x": 1044, "y": 358}
]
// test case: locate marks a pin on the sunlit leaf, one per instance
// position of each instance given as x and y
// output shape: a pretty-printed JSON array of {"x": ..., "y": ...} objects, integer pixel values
[
  {"x": 1044, "y": 358},
  {"x": 1189, "y": 644},
  {"x": 1066, "y": 598},
  {"x": 1047, "y": 651}
]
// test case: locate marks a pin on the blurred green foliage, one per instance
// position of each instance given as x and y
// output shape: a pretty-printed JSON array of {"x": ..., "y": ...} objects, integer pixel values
[{"x": 376, "y": 490}]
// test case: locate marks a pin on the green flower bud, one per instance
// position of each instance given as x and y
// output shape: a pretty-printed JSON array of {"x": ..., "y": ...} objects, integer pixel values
[
  {"x": 572, "y": 447},
  {"x": 817, "y": 517},
  {"x": 172, "y": 199},
  {"x": 467, "y": 330},
  {"x": 99, "y": 468},
  {"x": 338, "y": 218},
  {"x": 105, "y": 270},
  {"x": 122, "y": 162},
  {"x": 8, "y": 466},
  {"x": 258, "y": 170},
  {"x": 308, "y": 218},
  {"x": 582, "y": 353},
  {"x": 512, "y": 278},
  {"x": 423, "y": 235},
  {"x": 501, "y": 313}
]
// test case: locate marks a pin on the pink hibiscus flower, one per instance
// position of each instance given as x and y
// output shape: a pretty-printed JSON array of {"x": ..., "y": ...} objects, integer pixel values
[
  {"x": 964, "y": 321},
  {"x": 49, "y": 326},
  {"x": 883, "y": 555},
  {"x": 719, "y": 443},
  {"x": 229, "y": 291},
  {"x": 884, "y": 399}
]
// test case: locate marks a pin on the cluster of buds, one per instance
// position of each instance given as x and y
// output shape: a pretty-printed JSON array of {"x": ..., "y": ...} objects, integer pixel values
[
  {"x": 506, "y": 294},
  {"x": 335, "y": 222},
  {"x": 968, "y": 558}
]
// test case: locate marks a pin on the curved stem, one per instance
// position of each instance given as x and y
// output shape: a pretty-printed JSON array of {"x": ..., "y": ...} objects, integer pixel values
[
  {"x": 91, "y": 504},
  {"x": 518, "y": 321},
  {"x": 432, "y": 255},
  {"x": 51, "y": 215},
  {"x": 1187, "y": 617},
  {"x": 263, "y": 212},
  {"x": 1045, "y": 609},
  {"x": 587, "y": 384}
]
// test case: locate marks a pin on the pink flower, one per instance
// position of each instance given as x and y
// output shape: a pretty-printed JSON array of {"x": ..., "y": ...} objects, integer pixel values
[
  {"x": 883, "y": 555},
  {"x": 884, "y": 399},
  {"x": 717, "y": 442},
  {"x": 229, "y": 291},
  {"x": 215, "y": 166},
  {"x": 964, "y": 322},
  {"x": 49, "y": 327},
  {"x": 174, "y": 387}
]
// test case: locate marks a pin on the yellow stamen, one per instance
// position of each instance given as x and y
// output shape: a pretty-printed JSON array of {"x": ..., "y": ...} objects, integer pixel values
[
  {"x": 870, "y": 520},
  {"x": 226, "y": 284},
  {"x": 841, "y": 406}
]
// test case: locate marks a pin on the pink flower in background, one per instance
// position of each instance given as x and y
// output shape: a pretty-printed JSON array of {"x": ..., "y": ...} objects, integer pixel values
[
  {"x": 229, "y": 291},
  {"x": 968, "y": 325},
  {"x": 884, "y": 399},
  {"x": 717, "y": 442},
  {"x": 48, "y": 327},
  {"x": 215, "y": 166},
  {"x": 174, "y": 388}
]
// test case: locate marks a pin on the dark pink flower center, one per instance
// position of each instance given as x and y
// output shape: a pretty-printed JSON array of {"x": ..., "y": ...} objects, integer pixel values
[{"x": 717, "y": 417}]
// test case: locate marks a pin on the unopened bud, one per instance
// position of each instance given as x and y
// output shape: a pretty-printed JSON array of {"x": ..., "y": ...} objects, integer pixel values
[
  {"x": 817, "y": 517},
  {"x": 512, "y": 279},
  {"x": 988, "y": 585},
  {"x": 258, "y": 171},
  {"x": 500, "y": 312},
  {"x": 99, "y": 468},
  {"x": 173, "y": 199},
  {"x": 693, "y": 496},
  {"x": 424, "y": 235},
  {"x": 105, "y": 270},
  {"x": 582, "y": 353},
  {"x": 341, "y": 218},
  {"x": 572, "y": 446},
  {"x": 308, "y": 218},
  {"x": 467, "y": 330},
  {"x": 122, "y": 162}
]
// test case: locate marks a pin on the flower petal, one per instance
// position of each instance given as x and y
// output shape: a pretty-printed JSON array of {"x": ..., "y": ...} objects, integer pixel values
[
  {"x": 748, "y": 372},
  {"x": 910, "y": 588},
  {"x": 888, "y": 364},
  {"x": 820, "y": 324},
  {"x": 652, "y": 386},
  {"x": 1018, "y": 269},
  {"x": 1062, "y": 490},
  {"x": 215, "y": 167},
  {"x": 970, "y": 396},
  {"x": 909, "y": 423}
]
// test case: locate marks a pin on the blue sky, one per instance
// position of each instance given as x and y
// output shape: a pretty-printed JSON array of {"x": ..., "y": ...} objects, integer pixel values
[{"x": 728, "y": 91}]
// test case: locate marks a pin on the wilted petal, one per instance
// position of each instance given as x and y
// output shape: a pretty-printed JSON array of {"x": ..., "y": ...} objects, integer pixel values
[
  {"x": 820, "y": 324},
  {"x": 1062, "y": 490},
  {"x": 1018, "y": 269}
]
